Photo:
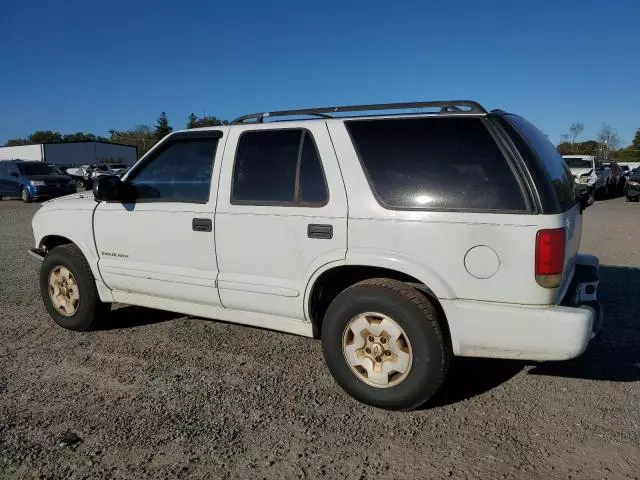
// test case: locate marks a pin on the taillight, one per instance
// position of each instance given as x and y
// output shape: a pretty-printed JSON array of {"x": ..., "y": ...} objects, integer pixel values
[{"x": 550, "y": 246}]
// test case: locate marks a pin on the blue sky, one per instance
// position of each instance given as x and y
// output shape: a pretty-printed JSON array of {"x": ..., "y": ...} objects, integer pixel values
[{"x": 91, "y": 66}]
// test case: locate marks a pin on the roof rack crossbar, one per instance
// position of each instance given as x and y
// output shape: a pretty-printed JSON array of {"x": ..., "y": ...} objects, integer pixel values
[{"x": 469, "y": 106}]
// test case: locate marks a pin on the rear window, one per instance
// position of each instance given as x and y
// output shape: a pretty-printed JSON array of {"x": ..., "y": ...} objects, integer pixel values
[
  {"x": 557, "y": 171},
  {"x": 577, "y": 162},
  {"x": 436, "y": 163}
]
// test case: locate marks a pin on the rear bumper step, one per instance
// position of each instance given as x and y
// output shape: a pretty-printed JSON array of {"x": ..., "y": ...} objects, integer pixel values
[{"x": 583, "y": 290}]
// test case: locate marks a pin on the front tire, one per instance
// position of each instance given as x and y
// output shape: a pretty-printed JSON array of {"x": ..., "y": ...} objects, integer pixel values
[
  {"x": 24, "y": 194},
  {"x": 384, "y": 344},
  {"x": 68, "y": 289}
]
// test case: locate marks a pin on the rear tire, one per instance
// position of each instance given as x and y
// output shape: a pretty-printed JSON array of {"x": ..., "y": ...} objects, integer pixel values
[
  {"x": 68, "y": 289},
  {"x": 24, "y": 194},
  {"x": 385, "y": 306}
]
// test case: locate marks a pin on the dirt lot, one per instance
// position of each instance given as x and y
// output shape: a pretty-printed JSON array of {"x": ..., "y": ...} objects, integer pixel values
[{"x": 163, "y": 396}]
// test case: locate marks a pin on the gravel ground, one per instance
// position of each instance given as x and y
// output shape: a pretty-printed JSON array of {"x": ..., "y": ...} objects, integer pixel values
[{"x": 163, "y": 396}]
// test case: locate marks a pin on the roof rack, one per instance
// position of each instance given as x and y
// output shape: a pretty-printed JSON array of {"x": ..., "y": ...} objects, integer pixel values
[{"x": 453, "y": 106}]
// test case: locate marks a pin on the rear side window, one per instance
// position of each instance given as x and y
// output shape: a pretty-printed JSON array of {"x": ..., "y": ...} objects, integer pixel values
[
  {"x": 278, "y": 167},
  {"x": 557, "y": 171},
  {"x": 436, "y": 163}
]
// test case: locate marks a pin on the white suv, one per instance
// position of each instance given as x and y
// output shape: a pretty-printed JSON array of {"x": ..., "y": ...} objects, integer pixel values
[{"x": 399, "y": 240}]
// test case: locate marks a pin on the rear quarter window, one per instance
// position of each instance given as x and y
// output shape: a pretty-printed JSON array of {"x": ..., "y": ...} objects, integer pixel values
[
  {"x": 532, "y": 143},
  {"x": 450, "y": 163}
]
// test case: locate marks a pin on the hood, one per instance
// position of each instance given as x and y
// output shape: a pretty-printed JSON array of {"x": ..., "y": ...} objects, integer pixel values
[
  {"x": 51, "y": 178},
  {"x": 75, "y": 201},
  {"x": 576, "y": 172}
]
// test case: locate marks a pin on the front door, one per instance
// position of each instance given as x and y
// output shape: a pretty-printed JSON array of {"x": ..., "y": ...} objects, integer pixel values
[
  {"x": 162, "y": 242},
  {"x": 281, "y": 215},
  {"x": 10, "y": 180},
  {"x": 4, "y": 178}
]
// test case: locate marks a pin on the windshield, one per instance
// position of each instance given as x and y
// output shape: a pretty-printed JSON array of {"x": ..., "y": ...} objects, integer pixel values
[
  {"x": 577, "y": 162},
  {"x": 117, "y": 165},
  {"x": 35, "y": 168}
]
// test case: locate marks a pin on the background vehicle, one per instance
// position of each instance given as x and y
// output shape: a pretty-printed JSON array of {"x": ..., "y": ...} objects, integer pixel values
[
  {"x": 33, "y": 181},
  {"x": 629, "y": 165},
  {"x": 605, "y": 179},
  {"x": 583, "y": 169},
  {"x": 82, "y": 176},
  {"x": 612, "y": 177},
  {"x": 107, "y": 169},
  {"x": 305, "y": 226},
  {"x": 580, "y": 164},
  {"x": 632, "y": 190}
]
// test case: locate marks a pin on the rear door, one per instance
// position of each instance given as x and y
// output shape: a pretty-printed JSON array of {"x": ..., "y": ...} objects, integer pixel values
[{"x": 281, "y": 215}]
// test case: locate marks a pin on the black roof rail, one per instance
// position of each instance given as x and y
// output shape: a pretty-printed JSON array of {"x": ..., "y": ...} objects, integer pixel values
[{"x": 461, "y": 106}]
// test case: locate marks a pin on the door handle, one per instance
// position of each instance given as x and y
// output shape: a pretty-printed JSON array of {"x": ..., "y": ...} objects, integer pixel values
[
  {"x": 201, "y": 225},
  {"x": 318, "y": 230}
]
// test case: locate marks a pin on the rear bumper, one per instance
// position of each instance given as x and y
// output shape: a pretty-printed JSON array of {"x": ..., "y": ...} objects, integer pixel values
[{"x": 555, "y": 332}]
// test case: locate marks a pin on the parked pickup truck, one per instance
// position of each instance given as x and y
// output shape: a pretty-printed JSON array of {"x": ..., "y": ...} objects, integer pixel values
[{"x": 351, "y": 229}]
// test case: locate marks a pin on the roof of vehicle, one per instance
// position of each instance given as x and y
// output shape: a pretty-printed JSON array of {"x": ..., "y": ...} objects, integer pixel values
[{"x": 457, "y": 107}]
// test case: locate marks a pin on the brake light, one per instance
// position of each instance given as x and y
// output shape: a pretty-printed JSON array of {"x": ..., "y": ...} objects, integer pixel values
[{"x": 550, "y": 245}]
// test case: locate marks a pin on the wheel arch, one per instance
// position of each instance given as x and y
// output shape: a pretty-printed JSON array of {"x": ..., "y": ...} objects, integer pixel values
[
  {"x": 53, "y": 240},
  {"x": 332, "y": 279},
  {"x": 49, "y": 242}
]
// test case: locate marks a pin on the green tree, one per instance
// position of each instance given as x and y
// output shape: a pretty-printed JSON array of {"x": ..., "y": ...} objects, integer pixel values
[
  {"x": 79, "y": 137},
  {"x": 162, "y": 127},
  {"x": 45, "y": 136},
  {"x": 632, "y": 152},
  {"x": 142, "y": 137},
  {"x": 589, "y": 147},
  {"x": 15, "y": 142},
  {"x": 192, "y": 120},
  {"x": 207, "y": 121}
]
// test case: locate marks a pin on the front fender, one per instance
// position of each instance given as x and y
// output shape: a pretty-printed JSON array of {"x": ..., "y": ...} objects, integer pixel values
[{"x": 76, "y": 226}]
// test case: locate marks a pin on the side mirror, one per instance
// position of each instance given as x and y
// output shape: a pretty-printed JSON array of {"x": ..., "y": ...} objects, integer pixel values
[{"x": 107, "y": 188}]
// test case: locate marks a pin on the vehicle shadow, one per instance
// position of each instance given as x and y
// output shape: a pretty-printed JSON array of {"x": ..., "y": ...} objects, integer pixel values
[
  {"x": 614, "y": 356},
  {"x": 469, "y": 377},
  {"x": 128, "y": 316}
]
